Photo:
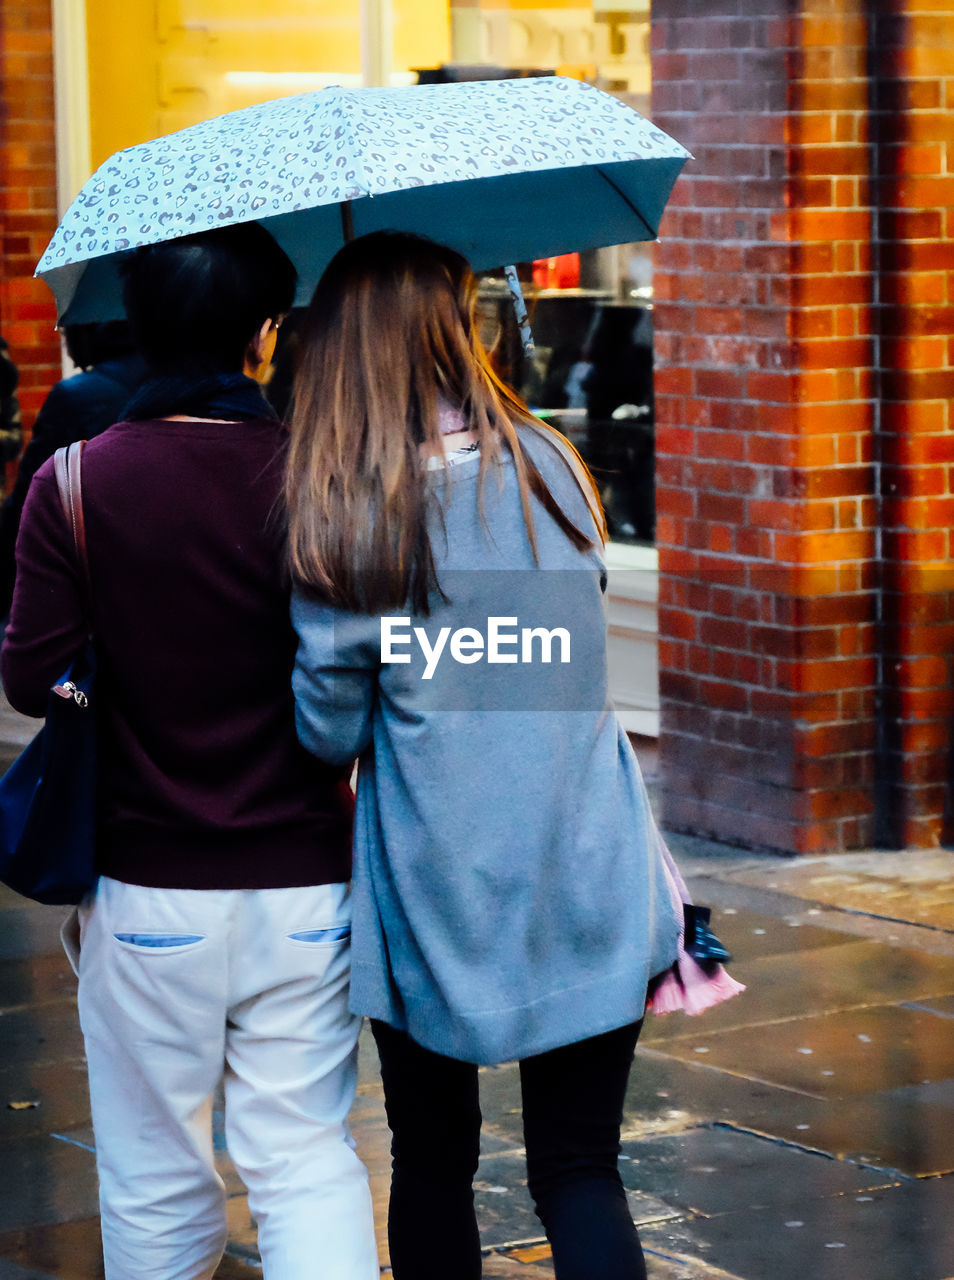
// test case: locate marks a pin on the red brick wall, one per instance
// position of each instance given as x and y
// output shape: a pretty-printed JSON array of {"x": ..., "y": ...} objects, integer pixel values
[
  {"x": 803, "y": 364},
  {"x": 913, "y": 126},
  {"x": 27, "y": 195}
]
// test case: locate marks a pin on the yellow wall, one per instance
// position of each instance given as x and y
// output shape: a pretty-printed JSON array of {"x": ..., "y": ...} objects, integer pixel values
[
  {"x": 123, "y": 75},
  {"x": 159, "y": 65}
]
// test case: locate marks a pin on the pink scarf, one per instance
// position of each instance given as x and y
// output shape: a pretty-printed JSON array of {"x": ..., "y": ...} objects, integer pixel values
[
  {"x": 686, "y": 985},
  {"x": 450, "y": 420}
]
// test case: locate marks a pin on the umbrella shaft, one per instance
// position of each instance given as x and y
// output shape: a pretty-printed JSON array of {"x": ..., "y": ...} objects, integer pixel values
[
  {"x": 347, "y": 221},
  {"x": 520, "y": 309}
]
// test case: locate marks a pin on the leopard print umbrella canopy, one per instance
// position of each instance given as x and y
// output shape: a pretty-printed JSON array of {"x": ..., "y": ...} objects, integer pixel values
[{"x": 502, "y": 170}]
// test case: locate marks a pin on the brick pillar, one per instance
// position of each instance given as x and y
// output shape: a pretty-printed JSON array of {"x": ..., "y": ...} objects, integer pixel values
[
  {"x": 27, "y": 195},
  {"x": 803, "y": 465},
  {"x": 913, "y": 132}
]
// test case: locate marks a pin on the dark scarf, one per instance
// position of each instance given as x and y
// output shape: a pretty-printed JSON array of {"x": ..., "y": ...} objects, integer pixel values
[{"x": 229, "y": 397}]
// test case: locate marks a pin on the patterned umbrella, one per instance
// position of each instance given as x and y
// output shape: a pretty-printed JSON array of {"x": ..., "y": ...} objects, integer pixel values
[{"x": 502, "y": 170}]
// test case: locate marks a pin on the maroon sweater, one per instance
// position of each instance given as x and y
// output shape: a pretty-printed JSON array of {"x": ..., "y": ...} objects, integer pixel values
[{"x": 203, "y": 782}]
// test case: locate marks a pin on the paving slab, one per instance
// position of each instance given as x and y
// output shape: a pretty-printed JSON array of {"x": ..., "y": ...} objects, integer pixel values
[
  {"x": 66, "y": 1250},
  {"x": 501, "y": 1108},
  {"x": 918, "y": 888},
  {"x": 28, "y": 929},
  {"x": 832, "y": 1055},
  {"x": 904, "y": 1232},
  {"x": 72, "y": 1251},
  {"x": 752, "y": 935},
  {"x": 688, "y": 1093},
  {"x": 649, "y": 1109},
  {"x": 373, "y": 1142},
  {"x": 713, "y": 891},
  {"x": 40, "y": 1097},
  {"x": 237, "y": 1269},
  {"x": 505, "y": 1210},
  {"x": 706, "y": 1171},
  {"x": 713, "y": 1170},
  {"x": 508, "y": 1267},
  {"x": 534, "y": 1263},
  {"x": 13, "y": 1271},
  {"x": 942, "y": 1006},
  {"x": 910, "y": 1130},
  {"x": 35, "y": 980},
  {"x": 41, "y": 1034},
  {"x": 55, "y": 1182},
  {"x": 846, "y": 976}
]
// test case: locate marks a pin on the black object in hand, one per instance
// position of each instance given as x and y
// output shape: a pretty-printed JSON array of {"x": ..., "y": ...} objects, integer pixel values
[{"x": 700, "y": 942}]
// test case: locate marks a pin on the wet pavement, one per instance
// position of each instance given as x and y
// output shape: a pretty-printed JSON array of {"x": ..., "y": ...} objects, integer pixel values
[{"x": 803, "y": 1131}]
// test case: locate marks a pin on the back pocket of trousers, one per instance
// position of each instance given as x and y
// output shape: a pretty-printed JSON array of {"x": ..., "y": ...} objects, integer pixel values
[
  {"x": 321, "y": 937},
  {"x": 159, "y": 943}
]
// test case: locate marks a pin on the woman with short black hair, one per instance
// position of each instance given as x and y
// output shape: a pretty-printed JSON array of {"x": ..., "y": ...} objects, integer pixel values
[{"x": 218, "y": 936}]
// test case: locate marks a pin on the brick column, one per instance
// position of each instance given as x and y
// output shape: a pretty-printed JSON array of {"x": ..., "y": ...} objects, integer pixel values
[
  {"x": 803, "y": 371},
  {"x": 27, "y": 195},
  {"x": 913, "y": 132}
]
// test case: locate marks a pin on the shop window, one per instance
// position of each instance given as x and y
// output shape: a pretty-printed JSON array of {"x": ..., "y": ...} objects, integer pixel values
[{"x": 591, "y": 374}]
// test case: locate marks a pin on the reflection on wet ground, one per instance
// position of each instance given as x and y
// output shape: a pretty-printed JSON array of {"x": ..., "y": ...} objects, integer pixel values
[
  {"x": 920, "y": 891},
  {"x": 804, "y": 1131}
]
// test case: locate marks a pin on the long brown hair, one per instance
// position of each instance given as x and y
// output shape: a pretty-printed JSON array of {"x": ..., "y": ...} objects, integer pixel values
[{"x": 389, "y": 334}]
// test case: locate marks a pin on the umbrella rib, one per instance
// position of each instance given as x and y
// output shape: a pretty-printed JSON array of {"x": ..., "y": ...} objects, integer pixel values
[{"x": 623, "y": 196}]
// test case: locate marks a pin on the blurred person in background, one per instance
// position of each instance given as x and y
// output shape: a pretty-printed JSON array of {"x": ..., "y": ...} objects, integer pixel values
[{"x": 11, "y": 429}]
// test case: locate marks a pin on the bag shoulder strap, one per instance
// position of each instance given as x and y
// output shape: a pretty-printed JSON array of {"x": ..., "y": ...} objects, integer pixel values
[{"x": 67, "y": 467}]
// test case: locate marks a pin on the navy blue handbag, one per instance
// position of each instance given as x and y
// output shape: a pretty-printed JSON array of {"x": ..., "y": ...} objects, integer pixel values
[{"x": 48, "y": 795}]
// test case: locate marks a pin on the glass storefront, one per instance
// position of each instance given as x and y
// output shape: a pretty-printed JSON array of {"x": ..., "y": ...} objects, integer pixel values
[
  {"x": 591, "y": 313},
  {"x": 590, "y": 375}
]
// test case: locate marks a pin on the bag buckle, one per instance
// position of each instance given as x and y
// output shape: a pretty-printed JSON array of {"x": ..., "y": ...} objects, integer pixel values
[{"x": 69, "y": 690}]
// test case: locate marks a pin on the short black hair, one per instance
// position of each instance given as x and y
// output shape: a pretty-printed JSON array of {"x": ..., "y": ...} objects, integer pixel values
[
  {"x": 90, "y": 344},
  {"x": 195, "y": 303}
]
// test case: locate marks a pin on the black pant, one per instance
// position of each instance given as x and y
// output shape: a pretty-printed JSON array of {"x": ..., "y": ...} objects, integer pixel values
[{"x": 572, "y": 1111}]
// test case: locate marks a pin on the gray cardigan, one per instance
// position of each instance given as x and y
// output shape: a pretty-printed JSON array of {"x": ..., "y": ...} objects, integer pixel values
[{"x": 508, "y": 894}]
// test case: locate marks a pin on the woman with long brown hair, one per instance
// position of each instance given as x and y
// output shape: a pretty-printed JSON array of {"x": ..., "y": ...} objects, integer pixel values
[{"x": 509, "y": 896}]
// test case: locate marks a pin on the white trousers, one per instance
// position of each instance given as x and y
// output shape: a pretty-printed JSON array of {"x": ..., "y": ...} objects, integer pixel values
[{"x": 176, "y": 985}]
